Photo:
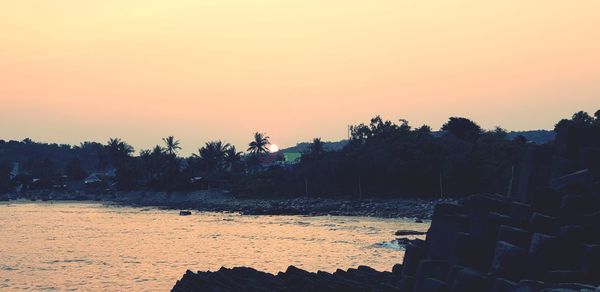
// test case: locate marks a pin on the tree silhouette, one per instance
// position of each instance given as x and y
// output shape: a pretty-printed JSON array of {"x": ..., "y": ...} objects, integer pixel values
[
  {"x": 259, "y": 145},
  {"x": 232, "y": 157},
  {"x": 118, "y": 150},
  {"x": 213, "y": 154},
  {"x": 582, "y": 118},
  {"x": 171, "y": 145},
  {"x": 463, "y": 128}
]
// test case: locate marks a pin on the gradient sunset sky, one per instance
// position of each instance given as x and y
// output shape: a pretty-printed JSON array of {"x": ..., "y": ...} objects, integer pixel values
[{"x": 203, "y": 70}]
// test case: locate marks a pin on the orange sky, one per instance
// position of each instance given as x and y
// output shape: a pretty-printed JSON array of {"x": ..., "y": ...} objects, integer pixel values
[{"x": 73, "y": 70}]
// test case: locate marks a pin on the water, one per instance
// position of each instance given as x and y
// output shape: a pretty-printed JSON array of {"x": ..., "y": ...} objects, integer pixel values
[{"x": 95, "y": 247}]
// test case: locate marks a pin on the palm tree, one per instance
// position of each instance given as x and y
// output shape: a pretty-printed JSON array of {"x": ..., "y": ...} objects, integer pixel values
[
  {"x": 232, "y": 157},
  {"x": 172, "y": 145},
  {"x": 118, "y": 149},
  {"x": 157, "y": 150},
  {"x": 213, "y": 154},
  {"x": 259, "y": 145}
]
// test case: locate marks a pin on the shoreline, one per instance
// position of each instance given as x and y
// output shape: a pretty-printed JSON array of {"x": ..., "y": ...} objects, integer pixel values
[{"x": 223, "y": 201}]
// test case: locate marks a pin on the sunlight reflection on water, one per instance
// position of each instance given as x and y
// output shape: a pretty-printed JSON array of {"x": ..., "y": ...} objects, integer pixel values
[{"x": 91, "y": 246}]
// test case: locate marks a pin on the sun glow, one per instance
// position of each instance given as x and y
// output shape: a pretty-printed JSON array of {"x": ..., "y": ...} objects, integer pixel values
[{"x": 273, "y": 148}]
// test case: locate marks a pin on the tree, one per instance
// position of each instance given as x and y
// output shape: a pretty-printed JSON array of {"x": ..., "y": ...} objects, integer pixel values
[
  {"x": 500, "y": 133},
  {"x": 579, "y": 119},
  {"x": 5, "y": 168},
  {"x": 213, "y": 154},
  {"x": 232, "y": 158},
  {"x": 259, "y": 145},
  {"x": 118, "y": 150},
  {"x": 171, "y": 145},
  {"x": 423, "y": 130},
  {"x": 520, "y": 140},
  {"x": 316, "y": 148},
  {"x": 463, "y": 128},
  {"x": 582, "y": 118},
  {"x": 74, "y": 169}
]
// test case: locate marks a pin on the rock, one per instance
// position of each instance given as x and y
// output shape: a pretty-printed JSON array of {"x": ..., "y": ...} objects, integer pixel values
[
  {"x": 543, "y": 224},
  {"x": 467, "y": 279},
  {"x": 407, "y": 283},
  {"x": 520, "y": 212},
  {"x": 442, "y": 234},
  {"x": 546, "y": 201},
  {"x": 412, "y": 257},
  {"x": 503, "y": 285},
  {"x": 543, "y": 253},
  {"x": 591, "y": 263},
  {"x": 564, "y": 276},
  {"x": 397, "y": 270},
  {"x": 185, "y": 213},
  {"x": 433, "y": 285},
  {"x": 430, "y": 269},
  {"x": 516, "y": 236},
  {"x": 467, "y": 251},
  {"x": 510, "y": 261},
  {"x": 570, "y": 238},
  {"x": 409, "y": 232}
]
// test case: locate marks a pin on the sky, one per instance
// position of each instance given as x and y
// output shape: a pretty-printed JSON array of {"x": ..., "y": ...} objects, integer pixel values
[{"x": 73, "y": 70}]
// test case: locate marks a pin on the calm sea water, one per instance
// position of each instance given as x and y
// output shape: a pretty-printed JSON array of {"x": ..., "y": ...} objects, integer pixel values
[{"x": 95, "y": 247}]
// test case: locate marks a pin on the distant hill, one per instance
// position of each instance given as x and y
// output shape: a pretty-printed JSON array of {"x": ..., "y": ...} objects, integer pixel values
[
  {"x": 536, "y": 136},
  {"x": 329, "y": 146}
]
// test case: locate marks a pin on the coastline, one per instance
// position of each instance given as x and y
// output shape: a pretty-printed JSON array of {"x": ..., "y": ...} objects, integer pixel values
[{"x": 223, "y": 201}]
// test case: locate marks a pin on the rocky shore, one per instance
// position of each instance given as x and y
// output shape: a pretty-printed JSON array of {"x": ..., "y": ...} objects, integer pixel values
[
  {"x": 223, "y": 201},
  {"x": 293, "y": 279},
  {"x": 481, "y": 243}
]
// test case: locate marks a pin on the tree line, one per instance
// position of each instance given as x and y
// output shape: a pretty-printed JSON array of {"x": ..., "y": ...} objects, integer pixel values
[{"x": 382, "y": 158}]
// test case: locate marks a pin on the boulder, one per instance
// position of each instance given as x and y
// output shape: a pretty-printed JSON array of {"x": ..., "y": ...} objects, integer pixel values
[
  {"x": 413, "y": 255},
  {"x": 433, "y": 285},
  {"x": 543, "y": 252},
  {"x": 442, "y": 233},
  {"x": 543, "y": 224},
  {"x": 436, "y": 269},
  {"x": 467, "y": 251},
  {"x": 468, "y": 280},
  {"x": 502, "y": 285},
  {"x": 409, "y": 232},
  {"x": 510, "y": 261},
  {"x": 516, "y": 236},
  {"x": 591, "y": 263}
]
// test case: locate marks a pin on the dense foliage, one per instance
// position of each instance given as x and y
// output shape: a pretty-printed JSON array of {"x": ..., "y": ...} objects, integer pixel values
[{"x": 381, "y": 159}]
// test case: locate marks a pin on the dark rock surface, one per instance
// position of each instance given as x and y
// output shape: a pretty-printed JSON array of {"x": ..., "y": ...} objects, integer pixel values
[
  {"x": 543, "y": 253},
  {"x": 408, "y": 232},
  {"x": 293, "y": 279}
]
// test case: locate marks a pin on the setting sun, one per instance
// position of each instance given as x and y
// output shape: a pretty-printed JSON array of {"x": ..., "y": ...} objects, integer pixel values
[{"x": 273, "y": 148}]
